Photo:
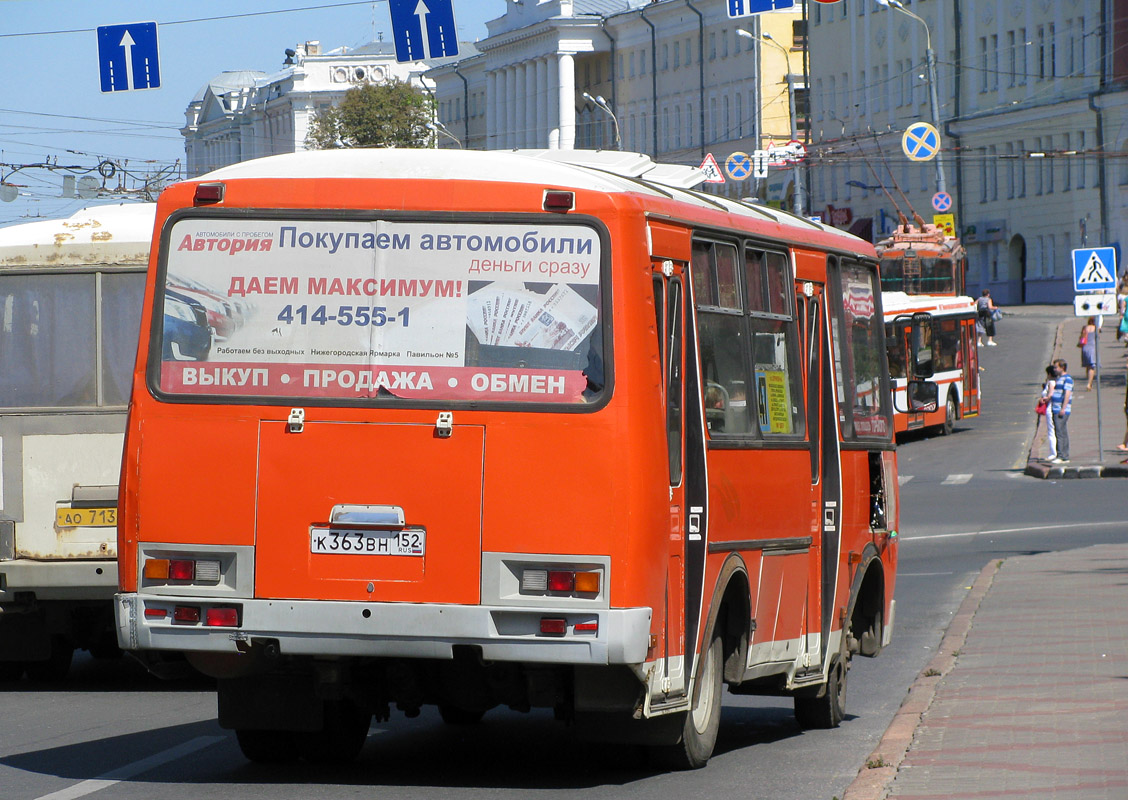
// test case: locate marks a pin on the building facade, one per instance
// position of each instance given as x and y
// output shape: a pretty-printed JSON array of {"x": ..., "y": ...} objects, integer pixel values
[
  {"x": 1031, "y": 111},
  {"x": 245, "y": 114},
  {"x": 678, "y": 78}
]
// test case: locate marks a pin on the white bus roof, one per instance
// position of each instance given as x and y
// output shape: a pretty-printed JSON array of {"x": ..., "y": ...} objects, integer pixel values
[
  {"x": 894, "y": 303},
  {"x": 596, "y": 170},
  {"x": 110, "y": 234}
]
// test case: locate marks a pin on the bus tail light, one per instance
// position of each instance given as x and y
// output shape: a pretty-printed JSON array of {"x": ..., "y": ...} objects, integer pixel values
[
  {"x": 568, "y": 581},
  {"x": 208, "y": 193},
  {"x": 554, "y": 626},
  {"x": 223, "y": 617},
  {"x": 182, "y": 569},
  {"x": 555, "y": 200},
  {"x": 186, "y": 614},
  {"x": 561, "y": 580}
]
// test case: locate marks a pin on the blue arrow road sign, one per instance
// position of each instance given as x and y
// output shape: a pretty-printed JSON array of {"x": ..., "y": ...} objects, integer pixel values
[
  {"x": 1094, "y": 268},
  {"x": 423, "y": 29},
  {"x": 127, "y": 57},
  {"x": 746, "y": 8}
]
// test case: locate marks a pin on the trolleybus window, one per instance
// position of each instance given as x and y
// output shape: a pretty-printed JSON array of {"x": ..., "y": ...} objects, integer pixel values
[{"x": 375, "y": 309}]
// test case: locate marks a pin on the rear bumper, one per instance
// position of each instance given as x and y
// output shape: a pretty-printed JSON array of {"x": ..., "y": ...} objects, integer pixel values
[
  {"x": 58, "y": 580},
  {"x": 409, "y": 630}
]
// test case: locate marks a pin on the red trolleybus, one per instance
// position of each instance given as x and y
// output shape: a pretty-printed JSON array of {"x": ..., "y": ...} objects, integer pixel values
[
  {"x": 950, "y": 339},
  {"x": 499, "y": 429}
]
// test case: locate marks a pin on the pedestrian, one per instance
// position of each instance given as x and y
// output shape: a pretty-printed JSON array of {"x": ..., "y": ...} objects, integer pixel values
[
  {"x": 1124, "y": 445},
  {"x": 1060, "y": 406},
  {"x": 1047, "y": 417},
  {"x": 1087, "y": 341},
  {"x": 986, "y": 309}
]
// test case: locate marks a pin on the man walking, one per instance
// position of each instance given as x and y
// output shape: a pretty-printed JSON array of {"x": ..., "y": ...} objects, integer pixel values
[{"x": 1060, "y": 405}]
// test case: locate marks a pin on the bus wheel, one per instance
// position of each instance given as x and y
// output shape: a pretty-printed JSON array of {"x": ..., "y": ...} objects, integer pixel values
[
  {"x": 57, "y": 665},
  {"x": 454, "y": 715},
  {"x": 703, "y": 720},
  {"x": 949, "y": 416},
  {"x": 827, "y": 709},
  {"x": 268, "y": 747},
  {"x": 342, "y": 737}
]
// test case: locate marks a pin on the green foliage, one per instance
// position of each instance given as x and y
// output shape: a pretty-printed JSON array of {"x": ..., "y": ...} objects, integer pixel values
[{"x": 392, "y": 114}]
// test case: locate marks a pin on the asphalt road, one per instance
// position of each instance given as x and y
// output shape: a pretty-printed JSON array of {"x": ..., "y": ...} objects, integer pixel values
[{"x": 112, "y": 731}]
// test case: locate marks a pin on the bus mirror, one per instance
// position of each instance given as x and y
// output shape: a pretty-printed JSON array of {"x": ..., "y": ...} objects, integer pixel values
[
  {"x": 920, "y": 345},
  {"x": 920, "y": 397}
]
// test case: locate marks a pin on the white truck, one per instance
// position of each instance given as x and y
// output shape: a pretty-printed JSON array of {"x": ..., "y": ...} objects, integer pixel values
[{"x": 70, "y": 306}]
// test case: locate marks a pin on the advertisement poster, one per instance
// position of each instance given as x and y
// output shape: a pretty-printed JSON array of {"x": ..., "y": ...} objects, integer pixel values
[
  {"x": 775, "y": 401},
  {"x": 353, "y": 309}
]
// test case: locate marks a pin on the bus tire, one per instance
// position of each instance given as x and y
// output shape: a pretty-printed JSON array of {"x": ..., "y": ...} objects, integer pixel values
[
  {"x": 56, "y": 666},
  {"x": 341, "y": 738},
  {"x": 703, "y": 720},
  {"x": 268, "y": 747},
  {"x": 950, "y": 415},
  {"x": 827, "y": 709},
  {"x": 455, "y": 715}
]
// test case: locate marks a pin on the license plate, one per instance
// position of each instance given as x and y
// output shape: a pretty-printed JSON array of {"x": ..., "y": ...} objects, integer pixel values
[
  {"x": 337, "y": 541},
  {"x": 88, "y": 517}
]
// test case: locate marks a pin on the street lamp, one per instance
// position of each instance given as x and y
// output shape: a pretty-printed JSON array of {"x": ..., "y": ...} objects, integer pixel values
[
  {"x": 438, "y": 127},
  {"x": 797, "y": 195},
  {"x": 602, "y": 105},
  {"x": 933, "y": 101}
]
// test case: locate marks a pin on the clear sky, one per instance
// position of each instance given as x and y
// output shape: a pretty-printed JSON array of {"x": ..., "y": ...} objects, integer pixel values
[{"x": 52, "y": 108}]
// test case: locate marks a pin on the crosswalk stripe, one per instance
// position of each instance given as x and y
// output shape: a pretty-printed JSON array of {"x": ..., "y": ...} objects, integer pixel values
[
  {"x": 903, "y": 479},
  {"x": 956, "y": 479}
]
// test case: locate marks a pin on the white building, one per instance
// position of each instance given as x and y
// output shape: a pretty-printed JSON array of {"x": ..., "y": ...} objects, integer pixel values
[
  {"x": 247, "y": 114},
  {"x": 679, "y": 80},
  {"x": 1032, "y": 119}
]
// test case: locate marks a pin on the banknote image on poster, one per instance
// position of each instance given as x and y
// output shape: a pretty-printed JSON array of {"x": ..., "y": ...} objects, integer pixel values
[{"x": 362, "y": 309}]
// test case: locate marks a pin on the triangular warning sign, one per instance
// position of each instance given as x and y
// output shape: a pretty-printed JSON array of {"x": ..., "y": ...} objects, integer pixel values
[
  {"x": 712, "y": 172},
  {"x": 1095, "y": 272}
]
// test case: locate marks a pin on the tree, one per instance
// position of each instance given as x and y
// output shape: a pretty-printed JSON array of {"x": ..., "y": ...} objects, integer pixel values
[{"x": 392, "y": 114}]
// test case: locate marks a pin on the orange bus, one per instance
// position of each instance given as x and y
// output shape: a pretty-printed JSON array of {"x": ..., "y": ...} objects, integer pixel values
[
  {"x": 532, "y": 429},
  {"x": 949, "y": 340}
]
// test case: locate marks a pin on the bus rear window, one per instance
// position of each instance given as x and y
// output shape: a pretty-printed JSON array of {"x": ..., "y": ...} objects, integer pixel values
[{"x": 381, "y": 310}]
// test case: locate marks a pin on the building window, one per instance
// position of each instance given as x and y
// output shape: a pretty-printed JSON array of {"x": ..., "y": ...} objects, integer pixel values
[
  {"x": 724, "y": 43},
  {"x": 712, "y": 46},
  {"x": 861, "y": 94},
  {"x": 1066, "y": 166},
  {"x": 1038, "y": 187},
  {"x": 993, "y": 172},
  {"x": 994, "y": 50},
  {"x": 1012, "y": 58},
  {"x": 1043, "y": 52},
  {"x": 665, "y": 56},
  {"x": 982, "y": 64},
  {"x": 677, "y": 127},
  {"x": 1023, "y": 57},
  {"x": 677, "y": 55},
  {"x": 1084, "y": 159},
  {"x": 642, "y": 62}
]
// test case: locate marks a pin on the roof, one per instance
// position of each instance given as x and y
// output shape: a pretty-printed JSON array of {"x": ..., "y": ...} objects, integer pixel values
[
  {"x": 107, "y": 234},
  {"x": 596, "y": 170},
  {"x": 902, "y": 303},
  {"x": 228, "y": 81}
]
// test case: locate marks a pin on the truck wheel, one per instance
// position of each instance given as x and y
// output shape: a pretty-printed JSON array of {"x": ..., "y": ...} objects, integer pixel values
[
  {"x": 825, "y": 710},
  {"x": 703, "y": 720},
  {"x": 342, "y": 737},
  {"x": 268, "y": 747}
]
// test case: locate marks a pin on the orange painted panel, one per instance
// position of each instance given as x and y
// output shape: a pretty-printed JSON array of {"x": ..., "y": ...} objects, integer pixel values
[
  {"x": 182, "y": 461},
  {"x": 437, "y": 482}
]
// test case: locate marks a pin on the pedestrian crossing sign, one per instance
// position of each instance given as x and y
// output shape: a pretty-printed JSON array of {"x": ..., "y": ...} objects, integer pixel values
[
  {"x": 712, "y": 171},
  {"x": 1094, "y": 269}
]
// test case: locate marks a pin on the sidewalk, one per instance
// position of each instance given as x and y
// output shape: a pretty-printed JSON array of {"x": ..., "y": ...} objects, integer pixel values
[
  {"x": 1031, "y": 701},
  {"x": 1085, "y": 459}
]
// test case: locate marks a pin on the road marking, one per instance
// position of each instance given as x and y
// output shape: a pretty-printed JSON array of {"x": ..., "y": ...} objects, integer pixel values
[
  {"x": 903, "y": 479},
  {"x": 921, "y": 574},
  {"x": 130, "y": 770},
  {"x": 956, "y": 479},
  {"x": 1029, "y": 529}
]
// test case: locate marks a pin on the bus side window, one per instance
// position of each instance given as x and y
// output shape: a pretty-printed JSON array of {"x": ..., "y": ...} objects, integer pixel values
[
  {"x": 716, "y": 283},
  {"x": 775, "y": 344},
  {"x": 674, "y": 378}
]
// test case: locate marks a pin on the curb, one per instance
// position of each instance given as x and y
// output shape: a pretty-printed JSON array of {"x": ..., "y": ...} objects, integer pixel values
[{"x": 876, "y": 777}]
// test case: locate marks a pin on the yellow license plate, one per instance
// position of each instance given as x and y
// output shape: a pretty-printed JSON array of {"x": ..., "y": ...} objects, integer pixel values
[{"x": 89, "y": 517}]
